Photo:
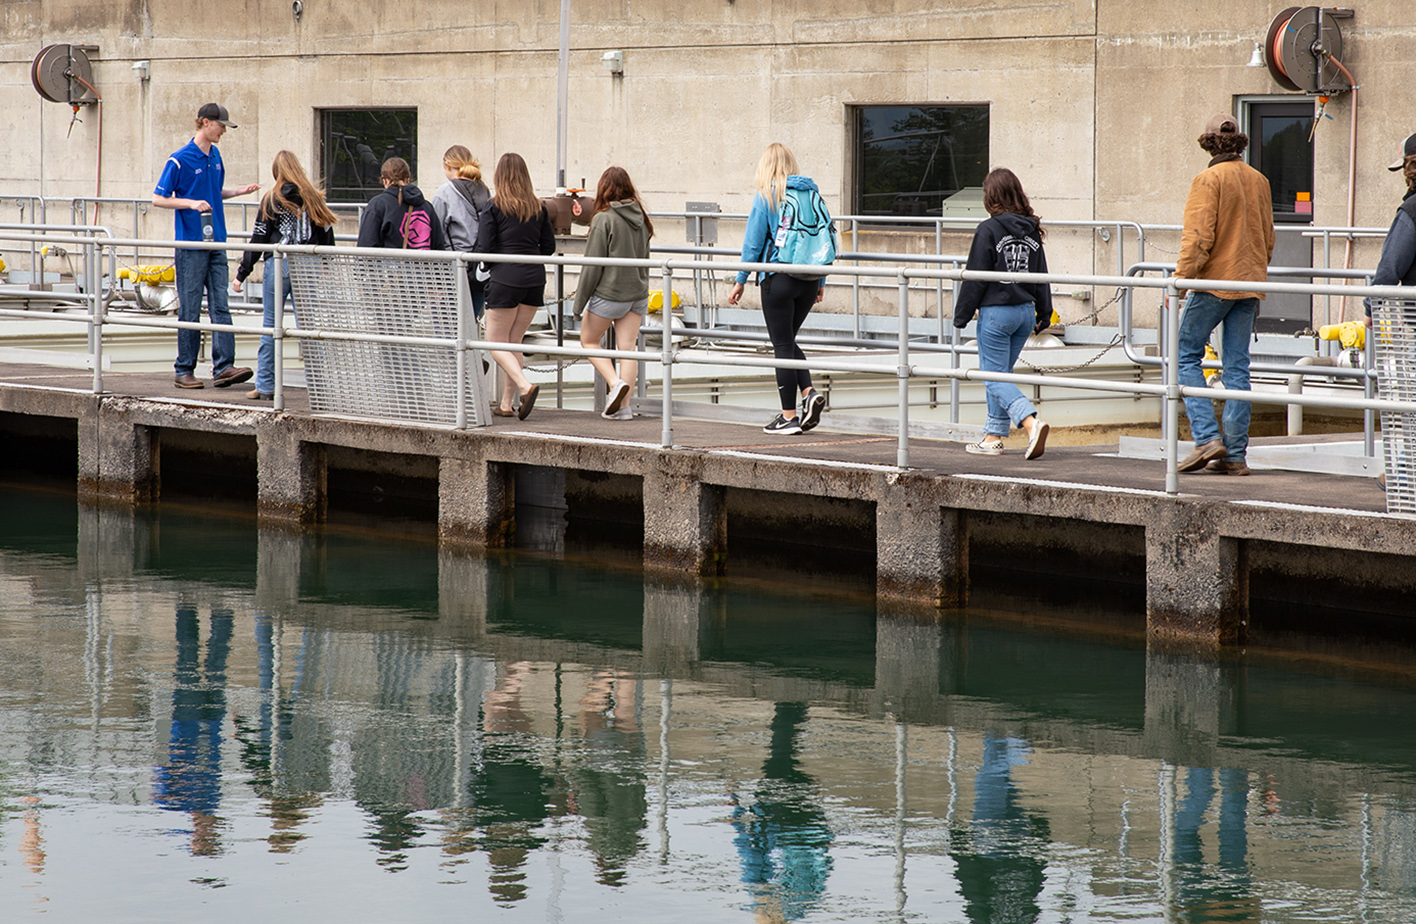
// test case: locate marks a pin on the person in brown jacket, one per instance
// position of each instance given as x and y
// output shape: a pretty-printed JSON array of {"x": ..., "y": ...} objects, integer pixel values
[{"x": 1228, "y": 235}]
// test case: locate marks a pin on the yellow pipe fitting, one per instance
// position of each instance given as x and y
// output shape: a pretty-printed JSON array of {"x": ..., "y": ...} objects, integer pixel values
[
  {"x": 151, "y": 274},
  {"x": 1352, "y": 335}
]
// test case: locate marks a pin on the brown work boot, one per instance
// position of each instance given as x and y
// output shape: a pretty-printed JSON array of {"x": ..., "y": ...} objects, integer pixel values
[
  {"x": 1226, "y": 467},
  {"x": 187, "y": 380},
  {"x": 231, "y": 375},
  {"x": 1201, "y": 455}
]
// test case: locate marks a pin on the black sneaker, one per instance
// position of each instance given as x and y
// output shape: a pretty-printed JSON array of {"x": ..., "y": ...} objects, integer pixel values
[
  {"x": 811, "y": 407},
  {"x": 783, "y": 426}
]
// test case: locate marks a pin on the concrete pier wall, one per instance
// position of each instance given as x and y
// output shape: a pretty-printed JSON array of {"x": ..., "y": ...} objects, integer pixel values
[{"x": 1194, "y": 553}]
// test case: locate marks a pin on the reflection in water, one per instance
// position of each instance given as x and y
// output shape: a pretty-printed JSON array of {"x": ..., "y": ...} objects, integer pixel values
[
  {"x": 1000, "y": 871},
  {"x": 191, "y": 780},
  {"x": 367, "y": 728},
  {"x": 782, "y": 834}
]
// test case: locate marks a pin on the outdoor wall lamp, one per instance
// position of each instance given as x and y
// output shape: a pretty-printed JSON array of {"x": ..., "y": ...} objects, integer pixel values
[{"x": 613, "y": 62}]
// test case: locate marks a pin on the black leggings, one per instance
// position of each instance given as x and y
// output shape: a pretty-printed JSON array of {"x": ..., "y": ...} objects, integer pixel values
[{"x": 785, "y": 304}]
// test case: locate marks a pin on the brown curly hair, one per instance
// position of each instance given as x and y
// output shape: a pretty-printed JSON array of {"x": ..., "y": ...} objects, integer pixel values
[{"x": 1217, "y": 143}]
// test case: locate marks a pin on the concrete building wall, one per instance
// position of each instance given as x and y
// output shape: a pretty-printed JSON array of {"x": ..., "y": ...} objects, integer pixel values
[{"x": 1095, "y": 104}]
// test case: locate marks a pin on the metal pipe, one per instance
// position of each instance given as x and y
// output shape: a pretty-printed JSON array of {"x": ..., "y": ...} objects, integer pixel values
[
  {"x": 666, "y": 359},
  {"x": 1172, "y": 389},
  {"x": 902, "y": 454}
]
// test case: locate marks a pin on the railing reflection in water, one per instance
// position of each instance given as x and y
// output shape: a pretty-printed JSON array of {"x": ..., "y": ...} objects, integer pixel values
[{"x": 547, "y": 733}]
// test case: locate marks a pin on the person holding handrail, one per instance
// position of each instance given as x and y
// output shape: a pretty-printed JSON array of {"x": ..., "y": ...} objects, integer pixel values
[
  {"x": 1227, "y": 234},
  {"x": 615, "y": 296},
  {"x": 293, "y": 212},
  {"x": 516, "y": 222},
  {"x": 1008, "y": 241},
  {"x": 786, "y": 299},
  {"x": 193, "y": 185}
]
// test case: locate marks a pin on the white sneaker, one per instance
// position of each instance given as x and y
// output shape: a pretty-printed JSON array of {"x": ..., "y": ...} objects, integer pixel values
[
  {"x": 1037, "y": 440},
  {"x": 619, "y": 392},
  {"x": 987, "y": 446},
  {"x": 624, "y": 413}
]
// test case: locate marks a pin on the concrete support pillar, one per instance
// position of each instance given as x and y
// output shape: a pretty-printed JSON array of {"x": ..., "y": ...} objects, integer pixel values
[
  {"x": 291, "y": 474},
  {"x": 1197, "y": 581},
  {"x": 462, "y": 593},
  {"x": 680, "y": 617},
  {"x": 476, "y": 502},
  {"x": 114, "y": 541},
  {"x": 1190, "y": 703},
  {"x": 281, "y": 557},
  {"x": 908, "y": 662},
  {"x": 118, "y": 459},
  {"x": 921, "y": 548},
  {"x": 685, "y": 520}
]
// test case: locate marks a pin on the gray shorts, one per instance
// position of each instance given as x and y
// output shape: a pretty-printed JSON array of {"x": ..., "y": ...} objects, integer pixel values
[{"x": 613, "y": 311}]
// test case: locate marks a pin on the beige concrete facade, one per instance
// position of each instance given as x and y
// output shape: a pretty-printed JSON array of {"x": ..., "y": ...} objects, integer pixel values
[{"x": 1096, "y": 104}]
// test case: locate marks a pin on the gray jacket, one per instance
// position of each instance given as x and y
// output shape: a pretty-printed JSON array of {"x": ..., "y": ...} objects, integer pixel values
[
  {"x": 619, "y": 231},
  {"x": 458, "y": 216}
]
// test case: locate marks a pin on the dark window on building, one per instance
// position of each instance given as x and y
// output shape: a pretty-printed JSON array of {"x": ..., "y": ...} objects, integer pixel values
[
  {"x": 1281, "y": 148},
  {"x": 354, "y": 143},
  {"x": 909, "y": 159}
]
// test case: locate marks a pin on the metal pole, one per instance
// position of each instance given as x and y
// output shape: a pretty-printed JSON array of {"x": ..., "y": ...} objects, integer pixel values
[
  {"x": 855, "y": 281},
  {"x": 955, "y": 337},
  {"x": 666, "y": 320},
  {"x": 1172, "y": 389},
  {"x": 464, "y": 303},
  {"x": 560, "y": 334},
  {"x": 903, "y": 452},
  {"x": 92, "y": 261},
  {"x": 276, "y": 268},
  {"x": 562, "y": 98},
  {"x": 1369, "y": 390}
]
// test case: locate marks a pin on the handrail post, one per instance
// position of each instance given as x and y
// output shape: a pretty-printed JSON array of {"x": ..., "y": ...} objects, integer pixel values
[
  {"x": 464, "y": 302},
  {"x": 666, "y": 357},
  {"x": 276, "y": 268},
  {"x": 955, "y": 337},
  {"x": 1369, "y": 391},
  {"x": 855, "y": 280},
  {"x": 1172, "y": 389},
  {"x": 92, "y": 261},
  {"x": 902, "y": 454}
]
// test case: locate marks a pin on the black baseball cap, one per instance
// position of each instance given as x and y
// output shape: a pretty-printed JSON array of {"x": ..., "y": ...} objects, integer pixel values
[
  {"x": 216, "y": 113},
  {"x": 1407, "y": 150}
]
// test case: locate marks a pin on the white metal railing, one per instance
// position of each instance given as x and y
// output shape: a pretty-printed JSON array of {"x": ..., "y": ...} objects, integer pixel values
[{"x": 907, "y": 364}]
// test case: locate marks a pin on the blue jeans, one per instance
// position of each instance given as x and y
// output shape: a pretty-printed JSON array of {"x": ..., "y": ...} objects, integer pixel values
[
  {"x": 201, "y": 271},
  {"x": 1204, "y": 312},
  {"x": 1002, "y": 331},
  {"x": 265, "y": 356}
]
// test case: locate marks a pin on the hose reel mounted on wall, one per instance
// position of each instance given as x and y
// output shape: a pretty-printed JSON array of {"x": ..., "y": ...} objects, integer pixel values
[{"x": 1303, "y": 50}]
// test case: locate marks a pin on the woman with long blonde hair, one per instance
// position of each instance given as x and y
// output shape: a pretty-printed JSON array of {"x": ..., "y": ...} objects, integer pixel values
[
  {"x": 786, "y": 300},
  {"x": 293, "y": 212},
  {"x": 515, "y": 223},
  {"x": 460, "y": 204}
]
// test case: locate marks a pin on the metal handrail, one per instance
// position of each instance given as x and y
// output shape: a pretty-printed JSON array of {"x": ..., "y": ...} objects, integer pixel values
[{"x": 904, "y": 368}]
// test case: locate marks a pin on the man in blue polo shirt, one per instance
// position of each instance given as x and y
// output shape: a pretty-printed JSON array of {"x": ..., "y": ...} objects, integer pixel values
[{"x": 193, "y": 184}]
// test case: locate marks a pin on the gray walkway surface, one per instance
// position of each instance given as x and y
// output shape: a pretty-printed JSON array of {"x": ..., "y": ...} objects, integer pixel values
[{"x": 1063, "y": 465}]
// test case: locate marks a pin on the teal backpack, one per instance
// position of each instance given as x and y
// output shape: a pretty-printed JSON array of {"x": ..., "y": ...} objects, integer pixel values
[{"x": 805, "y": 233}]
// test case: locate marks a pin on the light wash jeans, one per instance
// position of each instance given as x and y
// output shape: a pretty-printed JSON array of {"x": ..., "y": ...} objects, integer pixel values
[
  {"x": 265, "y": 356},
  {"x": 201, "y": 271},
  {"x": 1203, "y": 312},
  {"x": 1002, "y": 331}
]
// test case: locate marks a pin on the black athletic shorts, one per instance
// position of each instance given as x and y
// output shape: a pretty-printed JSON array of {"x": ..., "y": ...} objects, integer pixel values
[{"x": 500, "y": 296}]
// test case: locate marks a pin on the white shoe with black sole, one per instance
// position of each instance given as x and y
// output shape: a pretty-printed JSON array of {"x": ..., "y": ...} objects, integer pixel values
[{"x": 783, "y": 426}]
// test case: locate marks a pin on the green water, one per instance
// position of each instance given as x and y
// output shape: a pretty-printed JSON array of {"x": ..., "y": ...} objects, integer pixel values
[{"x": 200, "y": 720}]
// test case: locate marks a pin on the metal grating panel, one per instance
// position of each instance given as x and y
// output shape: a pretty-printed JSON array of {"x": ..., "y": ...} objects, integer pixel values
[
  {"x": 394, "y": 297},
  {"x": 1394, "y": 327}
]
